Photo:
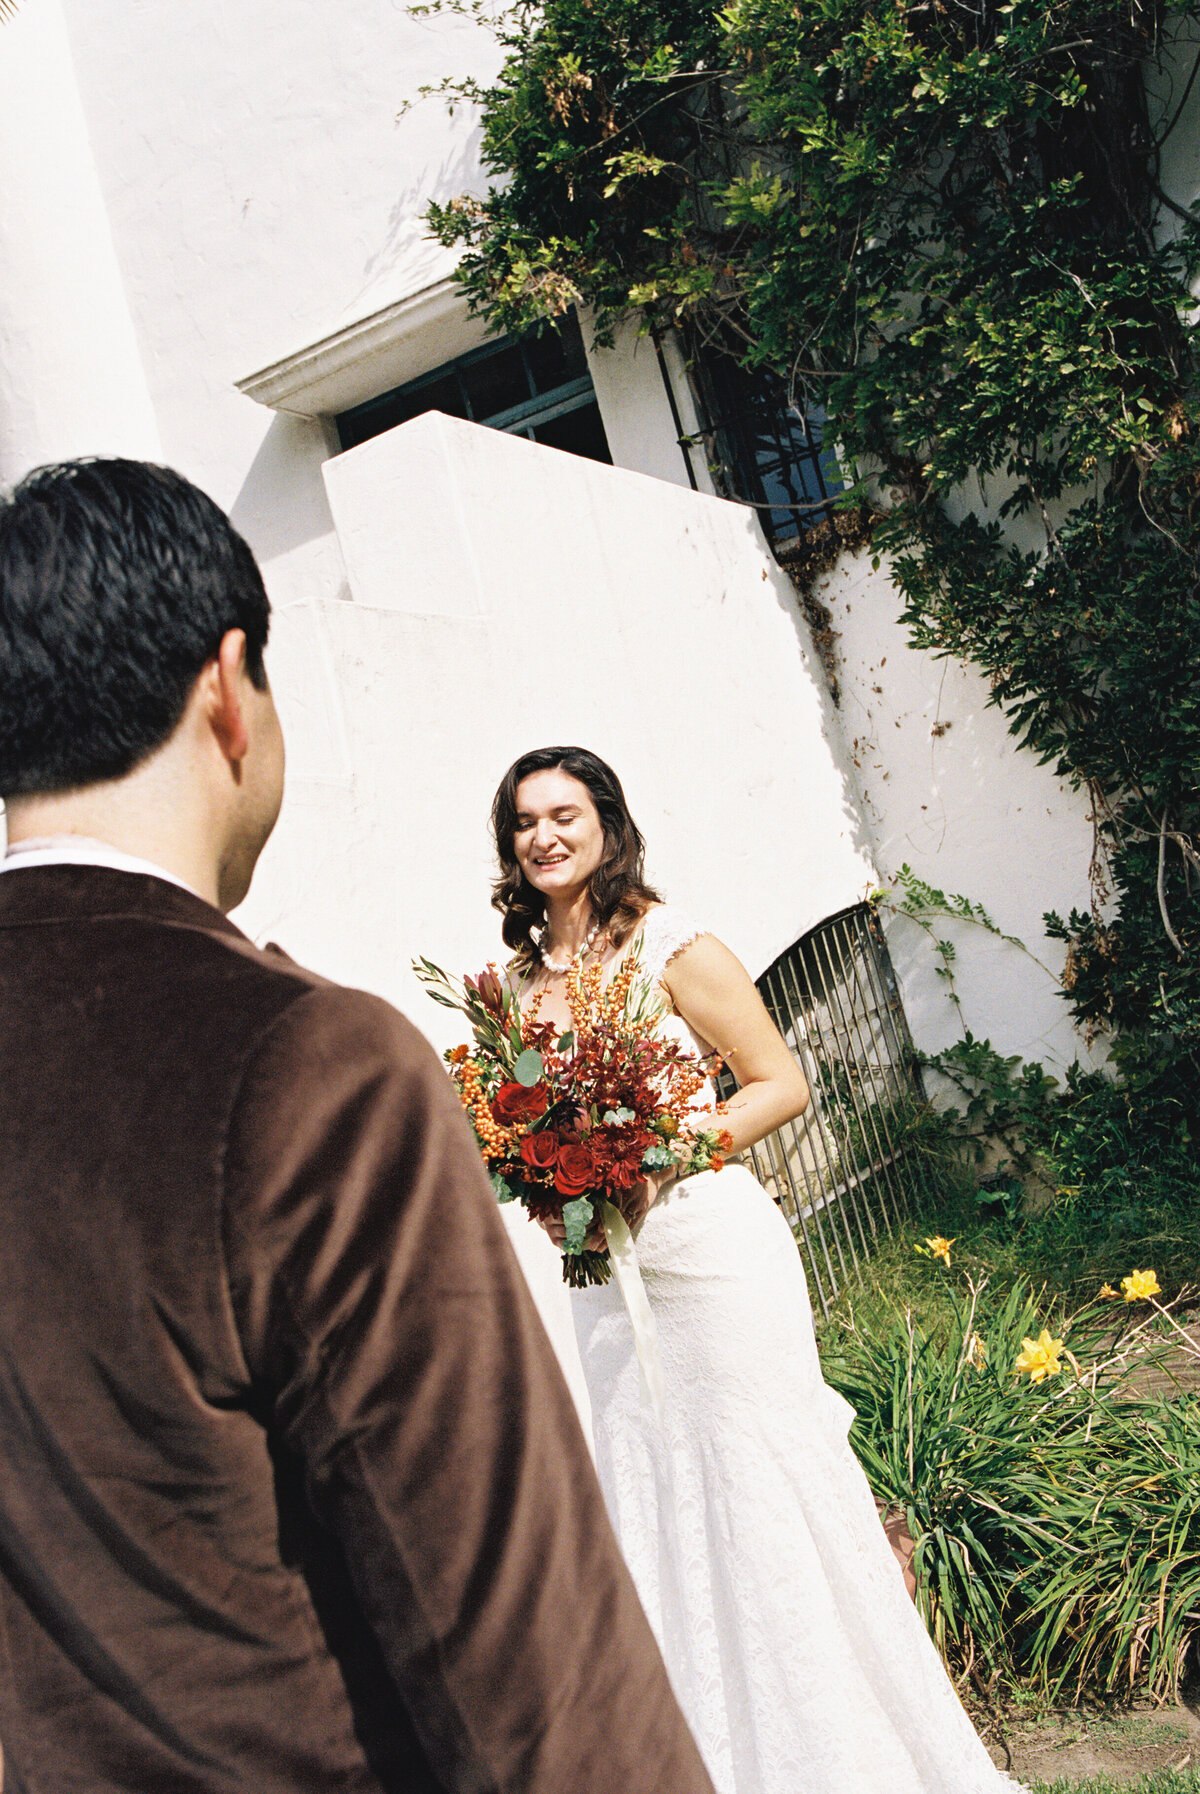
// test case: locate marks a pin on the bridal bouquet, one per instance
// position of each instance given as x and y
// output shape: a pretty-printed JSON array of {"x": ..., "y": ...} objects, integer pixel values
[{"x": 569, "y": 1122}]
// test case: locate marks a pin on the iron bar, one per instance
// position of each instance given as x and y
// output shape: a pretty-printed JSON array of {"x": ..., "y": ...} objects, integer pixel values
[
  {"x": 869, "y": 1112},
  {"x": 840, "y": 1173}
]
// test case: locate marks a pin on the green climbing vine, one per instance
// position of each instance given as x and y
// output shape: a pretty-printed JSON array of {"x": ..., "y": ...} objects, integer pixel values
[{"x": 944, "y": 222}]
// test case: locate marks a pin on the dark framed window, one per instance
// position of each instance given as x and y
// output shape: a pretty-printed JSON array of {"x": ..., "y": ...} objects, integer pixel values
[
  {"x": 537, "y": 386},
  {"x": 767, "y": 449}
]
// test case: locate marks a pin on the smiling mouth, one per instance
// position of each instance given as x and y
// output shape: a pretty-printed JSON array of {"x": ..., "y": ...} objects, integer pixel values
[{"x": 557, "y": 859}]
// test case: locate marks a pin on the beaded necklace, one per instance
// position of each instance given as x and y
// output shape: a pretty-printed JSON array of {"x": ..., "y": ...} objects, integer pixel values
[{"x": 544, "y": 953}]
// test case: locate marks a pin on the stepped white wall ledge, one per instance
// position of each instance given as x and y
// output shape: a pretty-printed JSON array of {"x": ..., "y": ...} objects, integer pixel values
[{"x": 506, "y": 596}]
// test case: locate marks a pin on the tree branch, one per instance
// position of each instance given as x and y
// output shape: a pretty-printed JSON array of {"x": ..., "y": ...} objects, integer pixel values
[{"x": 1162, "y": 893}]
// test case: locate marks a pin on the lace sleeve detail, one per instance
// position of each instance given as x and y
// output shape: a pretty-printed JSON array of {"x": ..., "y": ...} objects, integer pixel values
[{"x": 663, "y": 935}]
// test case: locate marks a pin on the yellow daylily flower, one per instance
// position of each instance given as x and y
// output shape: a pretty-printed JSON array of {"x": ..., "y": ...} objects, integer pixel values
[
  {"x": 975, "y": 1351},
  {"x": 1041, "y": 1357},
  {"x": 940, "y": 1248},
  {"x": 1139, "y": 1286},
  {"x": 1107, "y": 1293}
]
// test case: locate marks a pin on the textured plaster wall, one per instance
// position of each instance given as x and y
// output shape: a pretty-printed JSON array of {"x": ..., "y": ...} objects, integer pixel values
[
  {"x": 631, "y": 393},
  {"x": 946, "y": 791},
  {"x": 261, "y": 189},
  {"x": 71, "y": 379},
  {"x": 506, "y": 596}
]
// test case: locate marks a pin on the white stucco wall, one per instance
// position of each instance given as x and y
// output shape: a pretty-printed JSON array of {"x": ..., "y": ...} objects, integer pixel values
[
  {"x": 631, "y": 394},
  {"x": 260, "y": 186},
  {"x": 71, "y": 379},
  {"x": 946, "y": 792},
  {"x": 506, "y": 596},
  {"x": 258, "y": 189},
  {"x": 1175, "y": 102}
]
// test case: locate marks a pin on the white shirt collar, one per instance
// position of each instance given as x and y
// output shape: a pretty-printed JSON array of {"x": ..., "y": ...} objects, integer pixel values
[{"x": 81, "y": 850}]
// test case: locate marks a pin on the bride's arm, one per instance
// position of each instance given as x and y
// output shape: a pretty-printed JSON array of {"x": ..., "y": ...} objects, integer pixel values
[{"x": 716, "y": 997}]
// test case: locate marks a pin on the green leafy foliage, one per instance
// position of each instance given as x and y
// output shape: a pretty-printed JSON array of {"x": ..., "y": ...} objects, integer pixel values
[
  {"x": 945, "y": 1439},
  {"x": 999, "y": 1100},
  {"x": 1057, "y": 1539},
  {"x": 1161, "y": 1781},
  {"x": 1047, "y": 1181},
  {"x": 942, "y": 224}
]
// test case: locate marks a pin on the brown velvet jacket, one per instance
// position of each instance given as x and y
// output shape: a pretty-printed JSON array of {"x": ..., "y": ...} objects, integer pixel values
[{"x": 292, "y": 1494}]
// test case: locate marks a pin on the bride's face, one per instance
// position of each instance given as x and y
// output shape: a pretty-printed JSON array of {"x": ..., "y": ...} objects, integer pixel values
[{"x": 559, "y": 839}]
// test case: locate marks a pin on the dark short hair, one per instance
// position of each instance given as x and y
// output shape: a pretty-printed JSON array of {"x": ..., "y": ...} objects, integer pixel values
[
  {"x": 118, "y": 580},
  {"x": 619, "y": 893}
]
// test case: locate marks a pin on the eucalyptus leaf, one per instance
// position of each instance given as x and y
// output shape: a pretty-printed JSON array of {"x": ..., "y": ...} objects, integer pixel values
[
  {"x": 577, "y": 1218},
  {"x": 527, "y": 1068},
  {"x": 657, "y": 1158}
]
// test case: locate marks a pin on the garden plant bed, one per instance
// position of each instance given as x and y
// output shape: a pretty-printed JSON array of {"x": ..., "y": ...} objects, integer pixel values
[{"x": 1039, "y": 1437}]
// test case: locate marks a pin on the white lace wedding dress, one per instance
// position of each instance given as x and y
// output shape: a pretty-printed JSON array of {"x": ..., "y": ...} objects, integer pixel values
[{"x": 795, "y": 1652}]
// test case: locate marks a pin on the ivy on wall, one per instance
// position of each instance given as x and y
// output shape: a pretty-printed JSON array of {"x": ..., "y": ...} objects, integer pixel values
[{"x": 943, "y": 221}]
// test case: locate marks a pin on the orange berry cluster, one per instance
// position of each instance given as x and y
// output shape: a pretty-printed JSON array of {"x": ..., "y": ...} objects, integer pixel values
[
  {"x": 595, "y": 1005},
  {"x": 496, "y": 1141},
  {"x": 529, "y": 1017}
]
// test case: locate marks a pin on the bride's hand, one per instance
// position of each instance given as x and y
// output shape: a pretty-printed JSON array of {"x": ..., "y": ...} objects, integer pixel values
[
  {"x": 647, "y": 1197},
  {"x": 597, "y": 1240}
]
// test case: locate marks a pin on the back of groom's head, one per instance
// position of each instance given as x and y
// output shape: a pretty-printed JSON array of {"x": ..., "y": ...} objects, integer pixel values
[{"x": 118, "y": 580}]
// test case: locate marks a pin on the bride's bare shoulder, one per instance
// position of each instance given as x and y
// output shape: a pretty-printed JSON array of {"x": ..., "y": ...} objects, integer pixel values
[{"x": 665, "y": 933}]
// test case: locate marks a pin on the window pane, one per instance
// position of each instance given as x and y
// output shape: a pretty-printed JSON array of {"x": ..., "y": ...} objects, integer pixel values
[
  {"x": 579, "y": 432},
  {"x": 556, "y": 356},
  {"x": 537, "y": 387},
  {"x": 495, "y": 383},
  {"x": 771, "y": 451},
  {"x": 397, "y": 407},
  {"x": 436, "y": 395}
]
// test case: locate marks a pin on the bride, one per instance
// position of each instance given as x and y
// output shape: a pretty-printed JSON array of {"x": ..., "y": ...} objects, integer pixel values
[{"x": 796, "y": 1655}]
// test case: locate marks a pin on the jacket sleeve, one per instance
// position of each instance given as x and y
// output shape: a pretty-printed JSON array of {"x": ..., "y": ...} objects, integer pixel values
[{"x": 384, "y": 1316}]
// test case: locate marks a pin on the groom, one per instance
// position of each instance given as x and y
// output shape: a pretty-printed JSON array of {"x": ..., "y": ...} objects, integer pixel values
[{"x": 292, "y": 1496}]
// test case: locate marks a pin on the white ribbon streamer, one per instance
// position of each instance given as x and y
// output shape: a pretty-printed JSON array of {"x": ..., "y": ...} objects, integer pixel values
[{"x": 622, "y": 1255}]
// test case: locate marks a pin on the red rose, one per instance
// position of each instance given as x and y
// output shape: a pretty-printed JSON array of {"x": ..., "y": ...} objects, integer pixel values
[
  {"x": 516, "y": 1102},
  {"x": 573, "y": 1174},
  {"x": 539, "y": 1151}
]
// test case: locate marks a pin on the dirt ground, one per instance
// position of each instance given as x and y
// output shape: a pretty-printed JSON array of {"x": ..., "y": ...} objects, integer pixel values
[
  {"x": 1123, "y": 1744},
  {"x": 1176, "y": 1370}
]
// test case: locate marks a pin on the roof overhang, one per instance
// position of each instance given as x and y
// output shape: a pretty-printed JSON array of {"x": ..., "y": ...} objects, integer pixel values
[{"x": 369, "y": 357}]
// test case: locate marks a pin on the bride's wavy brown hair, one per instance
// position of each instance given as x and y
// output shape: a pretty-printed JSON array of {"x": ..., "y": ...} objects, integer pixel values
[{"x": 618, "y": 891}]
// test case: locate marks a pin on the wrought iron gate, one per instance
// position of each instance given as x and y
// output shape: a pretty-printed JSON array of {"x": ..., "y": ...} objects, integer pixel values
[{"x": 840, "y": 1172}]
